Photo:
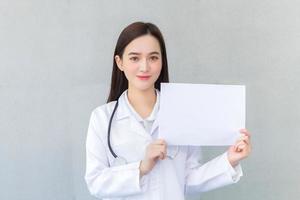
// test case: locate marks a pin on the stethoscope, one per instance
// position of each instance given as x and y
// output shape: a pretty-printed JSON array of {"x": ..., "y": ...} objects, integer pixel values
[{"x": 118, "y": 159}]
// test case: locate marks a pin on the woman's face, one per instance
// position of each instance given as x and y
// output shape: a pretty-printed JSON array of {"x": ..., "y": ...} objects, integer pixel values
[{"x": 141, "y": 62}]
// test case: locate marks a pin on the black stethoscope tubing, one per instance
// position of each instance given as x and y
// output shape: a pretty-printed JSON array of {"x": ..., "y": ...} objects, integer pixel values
[
  {"x": 108, "y": 131},
  {"x": 120, "y": 159}
]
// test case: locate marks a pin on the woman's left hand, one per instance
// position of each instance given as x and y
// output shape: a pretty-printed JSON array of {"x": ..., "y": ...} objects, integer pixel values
[{"x": 241, "y": 149}]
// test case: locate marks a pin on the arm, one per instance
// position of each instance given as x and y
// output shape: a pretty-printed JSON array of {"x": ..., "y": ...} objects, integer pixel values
[
  {"x": 214, "y": 174},
  {"x": 219, "y": 171},
  {"x": 104, "y": 181}
]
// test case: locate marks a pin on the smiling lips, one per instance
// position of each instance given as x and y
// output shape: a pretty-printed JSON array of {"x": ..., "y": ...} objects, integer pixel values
[{"x": 143, "y": 77}]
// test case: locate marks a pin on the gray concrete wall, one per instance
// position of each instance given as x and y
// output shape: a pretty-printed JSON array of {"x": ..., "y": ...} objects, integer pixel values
[{"x": 55, "y": 65}]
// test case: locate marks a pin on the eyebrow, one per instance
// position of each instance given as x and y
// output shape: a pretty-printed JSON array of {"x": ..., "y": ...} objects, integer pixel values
[{"x": 136, "y": 53}]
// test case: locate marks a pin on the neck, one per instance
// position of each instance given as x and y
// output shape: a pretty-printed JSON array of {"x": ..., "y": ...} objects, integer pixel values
[{"x": 142, "y": 99}]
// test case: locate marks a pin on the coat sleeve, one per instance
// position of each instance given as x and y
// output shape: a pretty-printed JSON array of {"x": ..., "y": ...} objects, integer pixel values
[
  {"x": 216, "y": 173},
  {"x": 104, "y": 181}
]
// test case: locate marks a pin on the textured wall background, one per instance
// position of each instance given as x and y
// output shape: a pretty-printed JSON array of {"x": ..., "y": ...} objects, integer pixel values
[{"x": 55, "y": 66}]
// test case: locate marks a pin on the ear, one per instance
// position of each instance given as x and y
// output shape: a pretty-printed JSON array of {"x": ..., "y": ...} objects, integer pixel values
[{"x": 119, "y": 62}]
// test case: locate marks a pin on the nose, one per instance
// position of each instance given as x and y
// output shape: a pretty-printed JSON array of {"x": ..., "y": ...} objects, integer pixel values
[{"x": 144, "y": 65}]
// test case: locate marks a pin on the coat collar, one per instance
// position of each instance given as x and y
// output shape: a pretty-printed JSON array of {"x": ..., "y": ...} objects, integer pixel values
[{"x": 124, "y": 111}]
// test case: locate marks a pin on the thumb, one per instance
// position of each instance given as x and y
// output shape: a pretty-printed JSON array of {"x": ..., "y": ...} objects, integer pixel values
[{"x": 231, "y": 148}]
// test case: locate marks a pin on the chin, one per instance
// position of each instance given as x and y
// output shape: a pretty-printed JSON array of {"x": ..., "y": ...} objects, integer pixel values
[{"x": 144, "y": 87}]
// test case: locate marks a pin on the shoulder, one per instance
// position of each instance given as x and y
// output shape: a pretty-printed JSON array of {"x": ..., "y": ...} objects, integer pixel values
[
  {"x": 99, "y": 120},
  {"x": 103, "y": 111}
]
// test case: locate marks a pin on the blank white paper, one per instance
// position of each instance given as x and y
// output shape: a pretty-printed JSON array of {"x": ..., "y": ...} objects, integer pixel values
[{"x": 201, "y": 114}]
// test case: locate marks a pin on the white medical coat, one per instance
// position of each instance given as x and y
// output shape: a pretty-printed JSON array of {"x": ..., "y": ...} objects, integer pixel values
[{"x": 171, "y": 178}]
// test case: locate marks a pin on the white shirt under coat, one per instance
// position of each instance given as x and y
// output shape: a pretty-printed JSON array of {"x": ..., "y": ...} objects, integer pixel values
[{"x": 130, "y": 134}]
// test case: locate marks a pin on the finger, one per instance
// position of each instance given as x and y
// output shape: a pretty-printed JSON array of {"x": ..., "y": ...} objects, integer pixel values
[
  {"x": 247, "y": 140},
  {"x": 157, "y": 154},
  {"x": 161, "y": 147},
  {"x": 243, "y": 147},
  {"x": 164, "y": 150},
  {"x": 244, "y": 138},
  {"x": 161, "y": 156},
  {"x": 238, "y": 149},
  {"x": 242, "y": 142},
  {"x": 161, "y": 152},
  {"x": 239, "y": 145},
  {"x": 160, "y": 141},
  {"x": 239, "y": 142},
  {"x": 164, "y": 155},
  {"x": 245, "y": 131}
]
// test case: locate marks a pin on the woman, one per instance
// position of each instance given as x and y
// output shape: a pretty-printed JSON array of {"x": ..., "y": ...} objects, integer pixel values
[{"x": 126, "y": 160}]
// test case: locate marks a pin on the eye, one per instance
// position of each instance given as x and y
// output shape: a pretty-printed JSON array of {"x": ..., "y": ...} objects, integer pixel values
[
  {"x": 135, "y": 58},
  {"x": 153, "y": 58}
]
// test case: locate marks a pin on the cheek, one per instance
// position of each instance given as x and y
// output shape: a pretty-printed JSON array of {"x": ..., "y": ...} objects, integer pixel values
[
  {"x": 131, "y": 68},
  {"x": 157, "y": 68}
]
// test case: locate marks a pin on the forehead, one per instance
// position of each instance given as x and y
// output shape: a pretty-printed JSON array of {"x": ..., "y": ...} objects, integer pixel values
[{"x": 143, "y": 44}]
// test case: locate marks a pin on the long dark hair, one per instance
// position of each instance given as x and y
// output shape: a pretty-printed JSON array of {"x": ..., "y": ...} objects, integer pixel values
[{"x": 119, "y": 83}]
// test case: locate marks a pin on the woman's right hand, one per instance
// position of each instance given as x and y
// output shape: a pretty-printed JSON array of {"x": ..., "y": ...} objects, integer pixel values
[{"x": 154, "y": 151}]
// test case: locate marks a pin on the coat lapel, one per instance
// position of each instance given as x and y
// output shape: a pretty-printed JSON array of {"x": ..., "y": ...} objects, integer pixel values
[
  {"x": 123, "y": 113},
  {"x": 154, "y": 126}
]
